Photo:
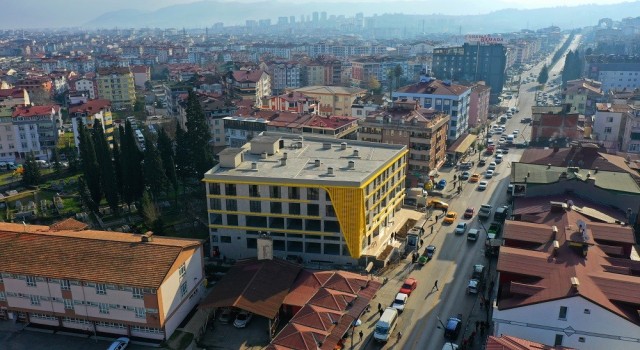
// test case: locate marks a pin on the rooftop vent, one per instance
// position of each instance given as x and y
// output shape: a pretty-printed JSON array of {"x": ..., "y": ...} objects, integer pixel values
[
  {"x": 285, "y": 155},
  {"x": 254, "y": 166},
  {"x": 317, "y": 162},
  {"x": 283, "y": 161},
  {"x": 326, "y": 145},
  {"x": 352, "y": 164},
  {"x": 343, "y": 146},
  {"x": 147, "y": 237},
  {"x": 263, "y": 155},
  {"x": 330, "y": 170},
  {"x": 575, "y": 283},
  {"x": 356, "y": 152}
]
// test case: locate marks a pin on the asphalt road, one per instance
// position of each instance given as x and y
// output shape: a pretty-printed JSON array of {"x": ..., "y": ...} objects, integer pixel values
[{"x": 451, "y": 266}]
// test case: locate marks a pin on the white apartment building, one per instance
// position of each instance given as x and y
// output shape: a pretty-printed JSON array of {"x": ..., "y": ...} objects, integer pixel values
[
  {"x": 36, "y": 130},
  {"x": 608, "y": 124},
  {"x": 631, "y": 137},
  {"x": 85, "y": 86},
  {"x": 111, "y": 283}
]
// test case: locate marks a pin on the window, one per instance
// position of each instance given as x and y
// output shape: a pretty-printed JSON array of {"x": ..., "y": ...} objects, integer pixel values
[
  {"x": 65, "y": 285},
  {"x": 183, "y": 288},
  {"x": 141, "y": 312},
  {"x": 294, "y": 208},
  {"x": 294, "y": 193},
  {"x": 3, "y": 296},
  {"x": 215, "y": 203},
  {"x": 225, "y": 239},
  {"x": 587, "y": 311},
  {"x": 609, "y": 119},
  {"x": 101, "y": 288},
  {"x": 104, "y": 308},
  {"x": 232, "y": 205},
  {"x": 313, "y": 194},
  {"x": 607, "y": 130},
  {"x": 254, "y": 191},
  {"x": 214, "y": 188},
  {"x": 35, "y": 300},
  {"x": 255, "y": 206},
  {"x": 276, "y": 207},
  {"x": 68, "y": 304},
  {"x": 330, "y": 211},
  {"x": 558, "y": 341},
  {"x": 581, "y": 339},
  {"x": 137, "y": 293},
  {"x": 313, "y": 210},
  {"x": 183, "y": 270},
  {"x": 230, "y": 189},
  {"x": 274, "y": 191},
  {"x": 563, "y": 313},
  {"x": 31, "y": 281},
  {"x": 232, "y": 220}
]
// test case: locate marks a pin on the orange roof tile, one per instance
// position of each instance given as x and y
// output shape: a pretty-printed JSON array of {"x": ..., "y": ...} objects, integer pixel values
[
  {"x": 507, "y": 342},
  {"x": 68, "y": 224},
  {"x": 96, "y": 256}
]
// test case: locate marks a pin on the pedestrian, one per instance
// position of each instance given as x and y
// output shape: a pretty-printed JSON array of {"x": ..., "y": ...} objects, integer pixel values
[
  {"x": 379, "y": 307},
  {"x": 435, "y": 286},
  {"x": 421, "y": 241},
  {"x": 432, "y": 226},
  {"x": 361, "y": 335},
  {"x": 380, "y": 312},
  {"x": 437, "y": 217},
  {"x": 399, "y": 336}
]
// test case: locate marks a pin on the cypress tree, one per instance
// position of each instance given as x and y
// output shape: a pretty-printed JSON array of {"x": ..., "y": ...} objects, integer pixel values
[
  {"x": 117, "y": 167},
  {"x": 165, "y": 147},
  {"x": 90, "y": 167},
  {"x": 198, "y": 138},
  {"x": 544, "y": 75},
  {"x": 154, "y": 175},
  {"x": 183, "y": 163},
  {"x": 55, "y": 160},
  {"x": 105, "y": 161},
  {"x": 132, "y": 177},
  {"x": 30, "y": 171}
]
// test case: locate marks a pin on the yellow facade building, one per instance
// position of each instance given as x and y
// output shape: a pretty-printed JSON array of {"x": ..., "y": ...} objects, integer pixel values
[
  {"x": 116, "y": 84},
  {"x": 318, "y": 199}
]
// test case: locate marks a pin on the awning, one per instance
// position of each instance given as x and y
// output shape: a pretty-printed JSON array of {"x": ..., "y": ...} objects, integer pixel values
[{"x": 462, "y": 144}]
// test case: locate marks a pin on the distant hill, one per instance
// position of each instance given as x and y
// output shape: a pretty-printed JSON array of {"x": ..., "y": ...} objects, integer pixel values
[{"x": 407, "y": 15}]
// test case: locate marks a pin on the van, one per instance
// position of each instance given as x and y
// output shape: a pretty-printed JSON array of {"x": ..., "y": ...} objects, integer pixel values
[
  {"x": 510, "y": 138},
  {"x": 386, "y": 325}
]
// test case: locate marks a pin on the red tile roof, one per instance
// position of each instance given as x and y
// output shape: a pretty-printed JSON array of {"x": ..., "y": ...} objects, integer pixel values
[
  {"x": 244, "y": 76},
  {"x": 539, "y": 273},
  {"x": 70, "y": 224},
  {"x": 90, "y": 107},
  {"x": 31, "y": 111},
  {"x": 87, "y": 255},
  {"x": 507, "y": 342},
  {"x": 434, "y": 87},
  {"x": 13, "y": 93}
]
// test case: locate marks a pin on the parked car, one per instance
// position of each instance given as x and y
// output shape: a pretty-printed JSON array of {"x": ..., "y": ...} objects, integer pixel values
[
  {"x": 482, "y": 185},
  {"x": 408, "y": 286},
  {"x": 451, "y": 217},
  {"x": 441, "y": 184},
  {"x": 242, "y": 319},
  {"x": 119, "y": 344},
  {"x": 225, "y": 316},
  {"x": 482, "y": 162},
  {"x": 460, "y": 228},
  {"x": 400, "y": 301},
  {"x": 452, "y": 328}
]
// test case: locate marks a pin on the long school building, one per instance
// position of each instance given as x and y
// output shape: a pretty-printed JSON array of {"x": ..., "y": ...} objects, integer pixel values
[{"x": 320, "y": 200}]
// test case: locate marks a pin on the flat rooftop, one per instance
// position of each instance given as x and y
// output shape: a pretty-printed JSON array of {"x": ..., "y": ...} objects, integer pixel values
[{"x": 300, "y": 166}]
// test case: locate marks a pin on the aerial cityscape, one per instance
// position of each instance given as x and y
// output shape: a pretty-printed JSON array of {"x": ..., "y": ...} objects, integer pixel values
[{"x": 364, "y": 174}]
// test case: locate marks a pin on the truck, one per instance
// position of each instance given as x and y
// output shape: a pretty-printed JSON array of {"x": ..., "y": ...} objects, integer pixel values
[
  {"x": 501, "y": 213},
  {"x": 414, "y": 235},
  {"x": 485, "y": 211},
  {"x": 494, "y": 230}
]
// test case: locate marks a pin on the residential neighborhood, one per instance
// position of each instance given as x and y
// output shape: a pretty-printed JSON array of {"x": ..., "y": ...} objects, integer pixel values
[{"x": 321, "y": 181}]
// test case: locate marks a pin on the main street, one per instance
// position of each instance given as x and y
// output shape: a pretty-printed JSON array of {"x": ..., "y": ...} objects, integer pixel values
[{"x": 427, "y": 308}]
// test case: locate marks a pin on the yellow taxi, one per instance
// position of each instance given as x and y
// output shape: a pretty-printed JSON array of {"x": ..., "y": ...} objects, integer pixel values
[
  {"x": 450, "y": 217},
  {"x": 474, "y": 178}
]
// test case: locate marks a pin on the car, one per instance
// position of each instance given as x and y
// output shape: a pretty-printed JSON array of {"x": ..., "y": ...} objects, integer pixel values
[
  {"x": 473, "y": 234},
  {"x": 242, "y": 319},
  {"x": 408, "y": 286},
  {"x": 441, "y": 184},
  {"x": 505, "y": 149},
  {"x": 460, "y": 228},
  {"x": 430, "y": 251},
  {"x": 119, "y": 344},
  {"x": 490, "y": 142},
  {"x": 482, "y": 185},
  {"x": 498, "y": 159},
  {"x": 450, "y": 217},
  {"x": 400, "y": 301},
  {"x": 469, "y": 212},
  {"x": 438, "y": 204},
  {"x": 452, "y": 327},
  {"x": 482, "y": 162},
  {"x": 465, "y": 175},
  {"x": 474, "y": 178},
  {"x": 225, "y": 316},
  {"x": 498, "y": 152},
  {"x": 488, "y": 174},
  {"x": 515, "y": 132}
]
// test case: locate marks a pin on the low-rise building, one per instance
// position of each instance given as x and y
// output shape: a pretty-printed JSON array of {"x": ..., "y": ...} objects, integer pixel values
[
  {"x": 554, "y": 125},
  {"x": 631, "y": 137},
  {"x": 333, "y": 100},
  {"x": 253, "y": 85},
  {"x": 116, "y": 85},
  {"x": 36, "y": 130},
  {"x": 141, "y": 75},
  {"x": 583, "y": 95},
  {"x": 14, "y": 97},
  {"x": 609, "y": 122},
  {"x": 320, "y": 199},
  {"x": 422, "y": 130},
  {"x": 67, "y": 277},
  {"x": 85, "y": 86}
]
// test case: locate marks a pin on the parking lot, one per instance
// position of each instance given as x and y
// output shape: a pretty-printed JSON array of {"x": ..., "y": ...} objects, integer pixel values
[{"x": 226, "y": 336}]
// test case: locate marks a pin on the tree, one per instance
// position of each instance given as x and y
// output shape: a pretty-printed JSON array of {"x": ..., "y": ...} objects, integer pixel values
[
  {"x": 90, "y": 167},
  {"x": 150, "y": 213},
  {"x": 154, "y": 174},
  {"x": 397, "y": 73},
  {"x": 55, "y": 160},
  {"x": 85, "y": 196},
  {"x": 132, "y": 177},
  {"x": 183, "y": 166},
  {"x": 117, "y": 167},
  {"x": 71, "y": 153},
  {"x": 165, "y": 147},
  {"x": 544, "y": 75},
  {"x": 374, "y": 85},
  {"x": 198, "y": 138},
  {"x": 390, "y": 76},
  {"x": 31, "y": 171},
  {"x": 108, "y": 181}
]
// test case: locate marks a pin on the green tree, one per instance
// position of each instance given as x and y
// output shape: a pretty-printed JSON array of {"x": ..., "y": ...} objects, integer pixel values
[
  {"x": 397, "y": 74},
  {"x": 31, "y": 171},
  {"x": 85, "y": 196},
  {"x": 132, "y": 177},
  {"x": 374, "y": 85},
  {"x": 71, "y": 153},
  {"x": 117, "y": 167},
  {"x": 90, "y": 167},
  {"x": 390, "y": 76},
  {"x": 198, "y": 138},
  {"x": 151, "y": 213},
  {"x": 55, "y": 160},
  {"x": 165, "y": 147},
  {"x": 183, "y": 166},
  {"x": 154, "y": 175},
  {"x": 108, "y": 181},
  {"x": 544, "y": 75}
]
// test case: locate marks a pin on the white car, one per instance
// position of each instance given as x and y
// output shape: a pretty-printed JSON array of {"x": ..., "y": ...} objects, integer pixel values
[
  {"x": 119, "y": 344},
  {"x": 400, "y": 301},
  {"x": 492, "y": 166},
  {"x": 242, "y": 319},
  {"x": 461, "y": 228},
  {"x": 498, "y": 158},
  {"x": 515, "y": 132},
  {"x": 488, "y": 174},
  {"x": 482, "y": 185}
]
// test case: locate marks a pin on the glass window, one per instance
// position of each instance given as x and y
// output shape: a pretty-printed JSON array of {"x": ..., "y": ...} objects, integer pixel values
[
  {"x": 294, "y": 193},
  {"x": 294, "y": 208},
  {"x": 183, "y": 288},
  {"x": 225, "y": 239},
  {"x": 68, "y": 304},
  {"x": 255, "y": 206},
  {"x": 101, "y": 288},
  {"x": 274, "y": 191},
  {"x": 563, "y": 313},
  {"x": 232, "y": 220},
  {"x": 104, "y": 308},
  {"x": 232, "y": 205},
  {"x": 313, "y": 209},
  {"x": 276, "y": 207},
  {"x": 230, "y": 189},
  {"x": 254, "y": 191},
  {"x": 313, "y": 194},
  {"x": 215, "y": 203}
]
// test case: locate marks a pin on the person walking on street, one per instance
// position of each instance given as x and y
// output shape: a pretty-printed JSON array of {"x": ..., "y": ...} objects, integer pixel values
[
  {"x": 399, "y": 336},
  {"x": 361, "y": 334},
  {"x": 380, "y": 312},
  {"x": 379, "y": 307},
  {"x": 435, "y": 286}
]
